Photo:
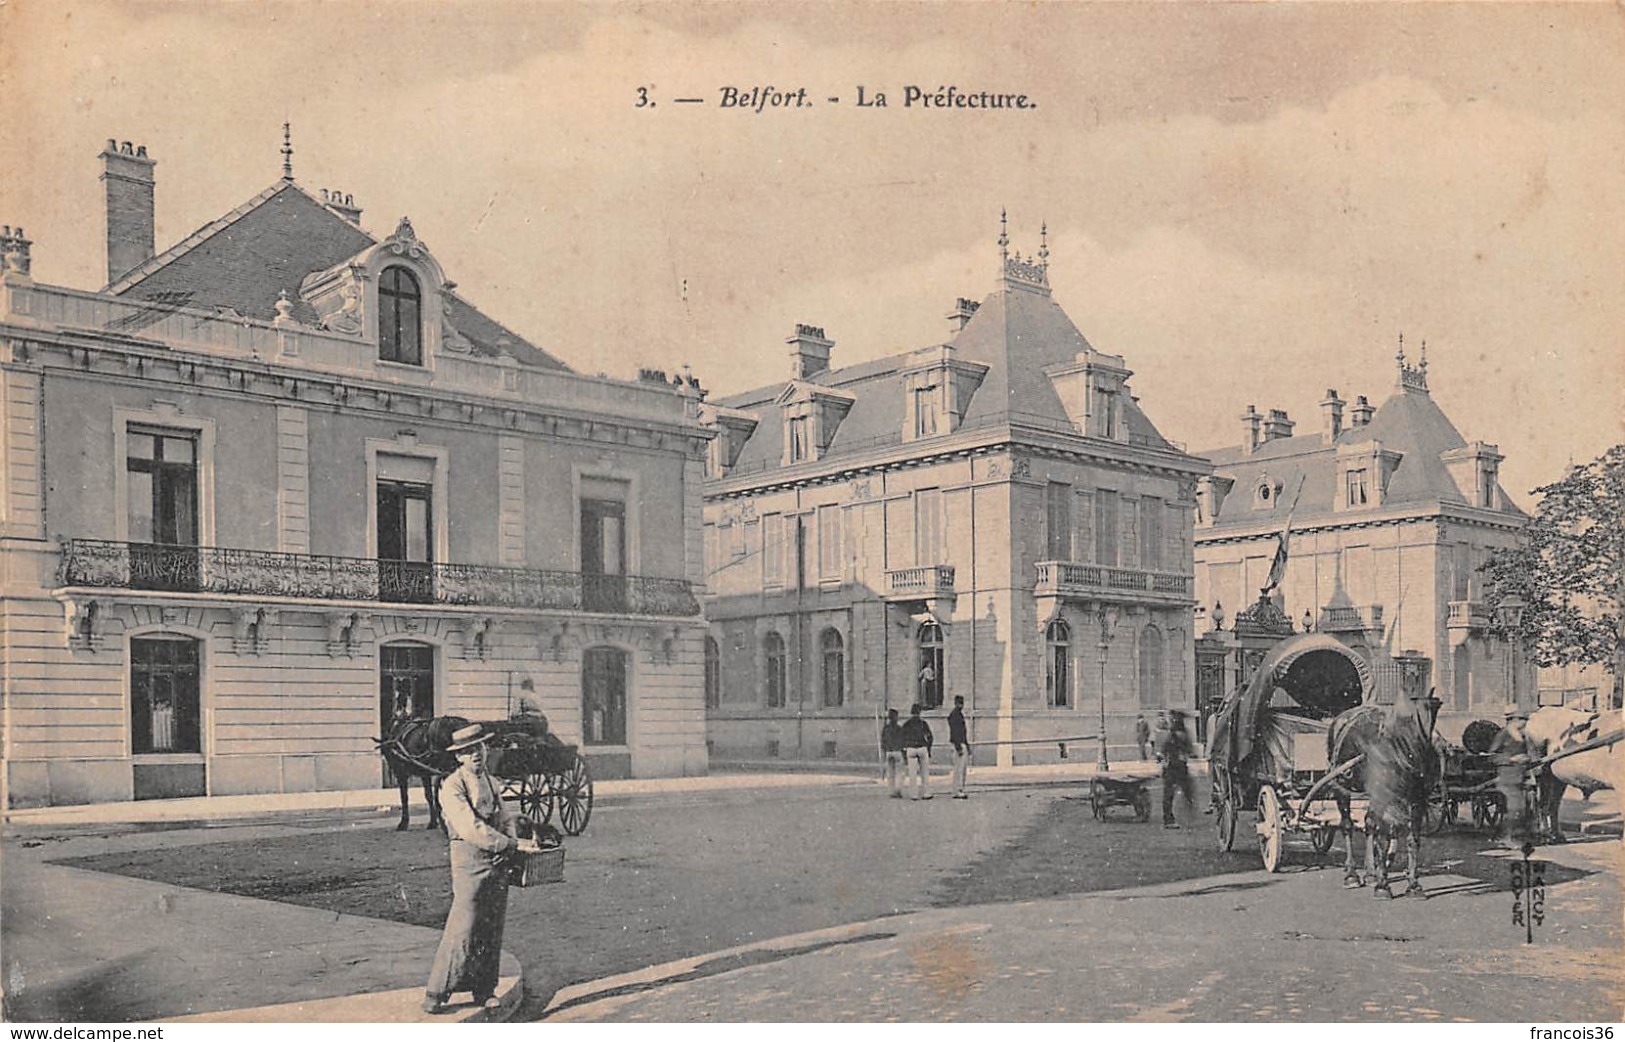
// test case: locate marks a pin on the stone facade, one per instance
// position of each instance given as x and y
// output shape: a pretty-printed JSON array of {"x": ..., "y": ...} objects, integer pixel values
[
  {"x": 1391, "y": 516},
  {"x": 956, "y": 521},
  {"x": 236, "y": 538}
]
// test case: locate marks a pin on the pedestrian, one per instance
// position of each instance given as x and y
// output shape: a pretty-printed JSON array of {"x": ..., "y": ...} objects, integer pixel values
[
  {"x": 961, "y": 744},
  {"x": 1174, "y": 752},
  {"x": 483, "y": 829},
  {"x": 917, "y": 752},
  {"x": 891, "y": 747},
  {"x": 1511, "y": 752},
  {"x": 1142, "y": 735}
]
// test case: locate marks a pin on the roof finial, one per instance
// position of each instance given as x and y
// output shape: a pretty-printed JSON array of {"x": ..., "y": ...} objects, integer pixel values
[
  {"x": 1424, "y": 365},
  {"x": 1400, "y": 357},
  {"x": 1004, "y": 236},
  {"x": 287, "y": 152},
  {"x": 1043, "y": 245}
]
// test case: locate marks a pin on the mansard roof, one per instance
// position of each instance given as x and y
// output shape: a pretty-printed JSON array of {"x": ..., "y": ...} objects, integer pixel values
[
  {"x": 247, "y": 258},
  {"x": 1409, "y": 423},
  {"x": 1015, "y": 332}
]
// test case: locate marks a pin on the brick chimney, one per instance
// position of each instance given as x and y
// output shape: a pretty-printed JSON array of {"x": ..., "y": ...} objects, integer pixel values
[
  {"x": 343, "y": 203},
  {"x": 1331, "y": 407},
  {"x": 1251, "y": 422},
  {"x": 809, "y": 352},
  {"x": 127, "y": 175},
  {"x": 964, "y": 308},
  {"x": 1278, "y": 426},
  {"x": 1360, "y": 415}
]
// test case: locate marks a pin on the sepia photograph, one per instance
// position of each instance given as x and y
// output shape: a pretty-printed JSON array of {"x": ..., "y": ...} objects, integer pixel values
[{"x": 734, "y": 513}]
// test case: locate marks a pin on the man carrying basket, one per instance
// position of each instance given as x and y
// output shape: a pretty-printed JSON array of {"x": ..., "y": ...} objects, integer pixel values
[{"x": 482, "y": 829}]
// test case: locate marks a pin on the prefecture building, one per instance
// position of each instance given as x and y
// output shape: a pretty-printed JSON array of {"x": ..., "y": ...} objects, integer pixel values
[
  {"x": 281, "y": 478},
  {"x": 1392, "y": 513},
  {"x": 993, "y": 516}
]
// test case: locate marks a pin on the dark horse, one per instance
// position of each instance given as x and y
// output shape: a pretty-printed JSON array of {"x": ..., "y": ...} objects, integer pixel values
[
  {"x": 418, "y": 748},
  {"x": 1398, "y": 773}
]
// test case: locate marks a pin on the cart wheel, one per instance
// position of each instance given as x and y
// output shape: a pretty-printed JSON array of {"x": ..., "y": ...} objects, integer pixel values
[
  {"x": 1225, "y": 814},
  {"x": 574, "y": 793},
  {"x": 1322, "y": 839},
  {"x": 534, "y": 794},
  {"x": 1269, "y": 827},
  {"x": 1142, "y": 805}
]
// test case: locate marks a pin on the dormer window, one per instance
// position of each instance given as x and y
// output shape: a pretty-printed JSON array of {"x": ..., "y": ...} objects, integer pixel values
[
  {"x": 1267, "y": 492},
  {"x": 400, "y": 326},
  {"x": 800, "y": 439},
  {"x": 925, "y": 411},
  {"x": 1107, "y": 412},
  {"x": 1358, "y": 487},
  {"x": 1486, "y": 486}
]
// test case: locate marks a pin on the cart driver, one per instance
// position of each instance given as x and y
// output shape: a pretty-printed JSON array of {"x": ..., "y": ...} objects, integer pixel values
[{"x": 1512, "y": 753}]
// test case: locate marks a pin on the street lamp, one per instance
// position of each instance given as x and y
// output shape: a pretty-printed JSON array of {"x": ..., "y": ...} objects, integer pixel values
[
  {"x": 1511, "y": 611},
  {"x": 1108, "y": 622}
]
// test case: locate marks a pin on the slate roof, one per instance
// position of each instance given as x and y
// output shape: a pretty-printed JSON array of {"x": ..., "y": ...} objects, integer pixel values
[
  {"x": 1015, "y": 333},
  {"x": 246, "y": 259},
  {"x": 1409, "y": 422}
]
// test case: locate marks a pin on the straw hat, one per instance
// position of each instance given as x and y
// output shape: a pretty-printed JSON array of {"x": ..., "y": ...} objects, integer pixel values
[{"x": 468, "y": 737}]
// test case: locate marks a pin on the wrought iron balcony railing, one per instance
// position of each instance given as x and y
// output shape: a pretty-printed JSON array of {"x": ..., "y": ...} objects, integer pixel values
[
  {"x": 1107, "y": 582},
  {"x": 264, "y": 573},
  {"x": 933, "y": 580}
]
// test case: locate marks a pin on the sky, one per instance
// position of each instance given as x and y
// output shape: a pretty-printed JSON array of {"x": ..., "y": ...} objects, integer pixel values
[{"x": 1250, "y": 202}]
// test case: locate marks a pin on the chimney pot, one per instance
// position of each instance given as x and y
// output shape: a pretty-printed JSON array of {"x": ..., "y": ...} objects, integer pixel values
[
  {"x": 1331, "y": 408},
  {"x": 809, "y": 351},
  {"x": 1360, "y": 415},
  {"x": 1278, "y": 425},
  {"x": 1251, "y": 424}
]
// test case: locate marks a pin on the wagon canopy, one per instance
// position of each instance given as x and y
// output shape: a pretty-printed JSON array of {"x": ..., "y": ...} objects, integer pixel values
[{"x": 1311, "y": 675}]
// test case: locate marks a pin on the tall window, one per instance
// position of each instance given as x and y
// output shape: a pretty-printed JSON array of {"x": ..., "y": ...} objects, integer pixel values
[
  {"x": 928, "y": 681},
  {"x": 1105, "y": 527},
  {"x": 1151, "y": 533},
  {"x": 834, "y": 657},
  {"x": 713, "y": 674},
  {"x": 405, "y": 542},
  {"x": 773, "y": 660},
  {"x": 1358, "y": 490},
  {"x": 603, "y": 696},
  {"x": 772, "y": 549},
  {"x": 927, "y": 527},
  {"x": 925, "y": 411},
  {"x": 1058, "y": 508},
  {"x": 829, "y": 542},
  {"x": 1486, "y": 487},
  {"x": 1106, "y": 401},
  {"x": 1151, "y": 689},
  {"x": 1057, "y": 672},
  {"x": 164, "y": 696},
  {"x": 800, "y": 438},
  {"x": 603, "y": 554},
  {"x": 400, "y": 325},
  {"x": 163, "y": 513}
]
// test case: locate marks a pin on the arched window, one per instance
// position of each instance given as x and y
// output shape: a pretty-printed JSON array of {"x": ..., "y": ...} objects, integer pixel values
[
  {"x": 1057, "y": 663},
  {"x": 1151, "y": 689},
  {"x": 834, "y": 655},
  {"x": 928, "y": 691},
  {"x": 773, "y": 655},
  {"x": 400, "y": 319},
  {"x": 713, "y": 674}
]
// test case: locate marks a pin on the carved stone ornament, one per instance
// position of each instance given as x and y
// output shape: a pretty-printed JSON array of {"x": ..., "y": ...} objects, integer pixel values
[
  {"x": 405, "y": 241},
  {"x": 83, "y": 620},
  {"x": 347, "y": 319}
]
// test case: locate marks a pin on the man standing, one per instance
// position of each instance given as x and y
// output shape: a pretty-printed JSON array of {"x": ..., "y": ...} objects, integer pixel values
[
  {"x": 961, "y": 744},
  {"x": 1511, "y": 754},
  {"x": 1174, "y": 754},
  {"x": 917, "y": 752},
  {"x": 891, "y": 747},
  {"x": 1142, "y": 735}
]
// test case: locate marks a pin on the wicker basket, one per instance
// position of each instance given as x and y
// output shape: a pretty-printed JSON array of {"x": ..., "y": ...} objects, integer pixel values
[{"x": 533, "y": 866}]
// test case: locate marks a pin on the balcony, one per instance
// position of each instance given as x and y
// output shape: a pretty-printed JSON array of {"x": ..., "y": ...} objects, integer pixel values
[
  {"x": 1467, "y": 618},
  {"x": 1350, "y": 618},
  {"x": 1098, "y": 582},
  {"x": 915, "y": 584},
  {"x": 261, "y": 573}
]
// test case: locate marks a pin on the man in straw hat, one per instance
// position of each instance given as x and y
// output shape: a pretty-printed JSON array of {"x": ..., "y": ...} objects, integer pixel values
[
  {"x": 1174, "y": 750},
  {"x": 482, "y": 830},
  {"x": 1512, "y": 752}
]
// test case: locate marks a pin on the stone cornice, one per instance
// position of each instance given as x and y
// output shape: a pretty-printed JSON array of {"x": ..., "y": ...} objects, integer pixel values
[
  {"x": 99, "y": 357},
  {"x": 1436, "y": 515}
]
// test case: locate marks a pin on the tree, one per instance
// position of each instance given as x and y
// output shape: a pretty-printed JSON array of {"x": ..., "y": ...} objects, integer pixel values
[{"x": 1570, "y": 573}]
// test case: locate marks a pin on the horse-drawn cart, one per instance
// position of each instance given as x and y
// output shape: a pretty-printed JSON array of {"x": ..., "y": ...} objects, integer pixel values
[
  {"x": 540, "y": 772},
  {"x": 1269, "y": 749}
]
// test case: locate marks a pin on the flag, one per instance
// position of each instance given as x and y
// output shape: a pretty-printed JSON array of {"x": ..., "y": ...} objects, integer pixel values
[{"x": 1283, "y": 539}]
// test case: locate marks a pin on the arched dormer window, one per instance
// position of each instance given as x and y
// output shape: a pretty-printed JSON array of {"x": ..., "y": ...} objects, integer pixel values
[{"x": 400, "y": 317}]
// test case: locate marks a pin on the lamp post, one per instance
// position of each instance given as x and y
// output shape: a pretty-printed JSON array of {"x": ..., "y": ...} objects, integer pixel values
[
  {"x": 1511, "y": 611},
  {"x": 1108, "y": 622}
]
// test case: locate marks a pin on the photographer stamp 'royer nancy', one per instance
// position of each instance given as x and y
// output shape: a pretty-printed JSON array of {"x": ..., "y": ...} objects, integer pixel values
[{"x": 760, "y": 98}]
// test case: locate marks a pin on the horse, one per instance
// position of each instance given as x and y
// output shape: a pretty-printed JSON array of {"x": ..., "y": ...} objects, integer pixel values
[
  {"x": 418, "y": 747},
  {"x": 1398, "y": 773},
  {"x": 1555, "y": 728}
]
